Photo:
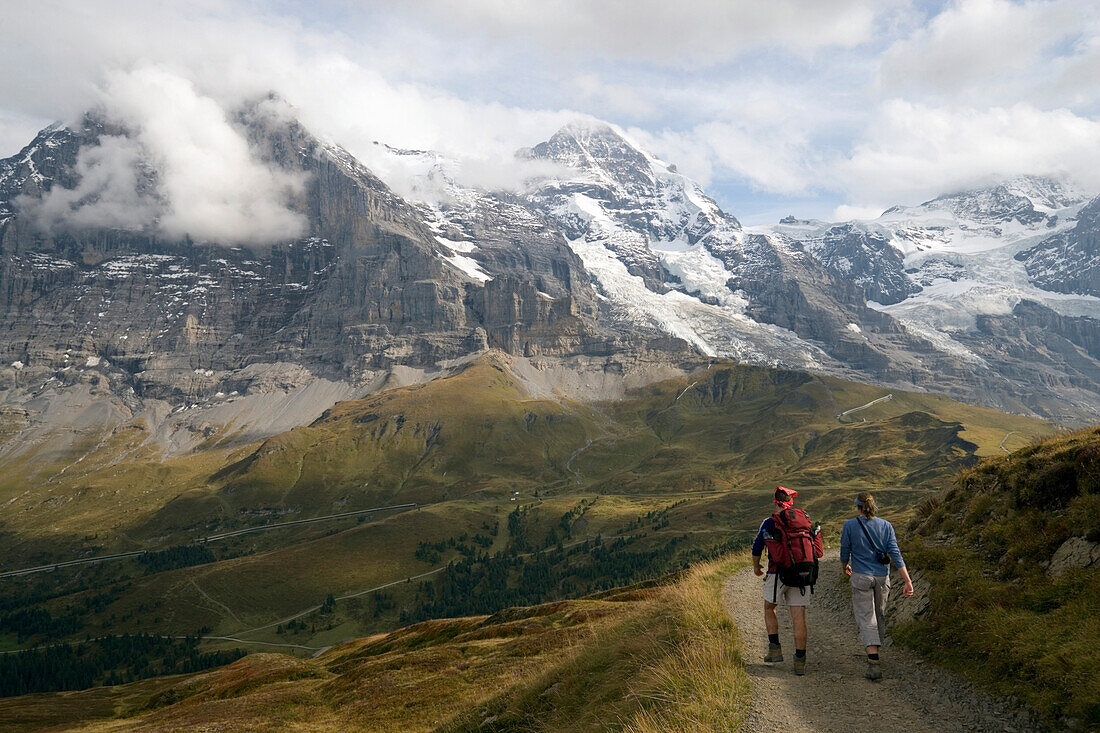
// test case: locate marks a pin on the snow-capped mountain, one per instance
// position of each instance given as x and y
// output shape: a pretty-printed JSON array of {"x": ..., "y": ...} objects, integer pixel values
[
  {"x": 950, "y": 267},
  {"x": 961, "y": 255},
  {"x": 660, "y": 248},
  {"x": 614, "y": 262},
  {"x": 665, "y": 258}
]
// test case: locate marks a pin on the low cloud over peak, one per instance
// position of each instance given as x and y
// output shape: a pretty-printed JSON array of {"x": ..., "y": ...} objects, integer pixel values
[{"x": 184, "y": 170}]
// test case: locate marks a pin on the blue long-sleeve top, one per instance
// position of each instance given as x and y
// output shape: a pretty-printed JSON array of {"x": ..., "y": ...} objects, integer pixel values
[
  {"x": 767, "y": 531},
  {"x": 855, "y": 547}
]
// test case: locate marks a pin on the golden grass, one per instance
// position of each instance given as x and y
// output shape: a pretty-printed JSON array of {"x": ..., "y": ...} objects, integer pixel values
[
  {"x": 702, "y": 686},
  {"x": 672, "y": 664},
  {"x": 658, "y": 656}
]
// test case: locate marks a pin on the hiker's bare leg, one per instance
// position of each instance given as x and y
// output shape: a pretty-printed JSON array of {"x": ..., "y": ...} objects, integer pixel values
[
  {"x": 798, "y": 620},
  {"x": 771, "y": 621},
  {"x": 872, "y": 650}
]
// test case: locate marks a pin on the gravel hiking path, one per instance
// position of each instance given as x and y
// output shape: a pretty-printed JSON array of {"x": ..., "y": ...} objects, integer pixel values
[{"x": 833, "y": 695}]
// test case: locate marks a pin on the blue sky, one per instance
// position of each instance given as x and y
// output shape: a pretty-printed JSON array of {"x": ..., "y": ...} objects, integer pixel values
[{"x": 817, "y": 108}]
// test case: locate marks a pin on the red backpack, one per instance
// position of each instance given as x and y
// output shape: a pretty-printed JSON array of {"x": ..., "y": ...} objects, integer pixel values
[{"x": 796, "y": 548}]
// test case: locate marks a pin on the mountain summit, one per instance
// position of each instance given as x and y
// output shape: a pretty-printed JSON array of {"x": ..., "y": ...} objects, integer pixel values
[{"x": 616, "y": 265}]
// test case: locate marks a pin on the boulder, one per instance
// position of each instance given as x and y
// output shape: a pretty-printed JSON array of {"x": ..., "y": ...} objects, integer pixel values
[{"x": 1076, "y": 552}]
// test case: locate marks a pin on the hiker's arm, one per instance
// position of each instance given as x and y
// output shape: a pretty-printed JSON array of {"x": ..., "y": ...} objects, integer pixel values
[
  {"x": 907, "y": 591},
  {"x": 758, "y": 549},
  {"x": 892, "y": 547},
  {"x": 845, "y": 550},
  {"x": 899, "y": 562}
]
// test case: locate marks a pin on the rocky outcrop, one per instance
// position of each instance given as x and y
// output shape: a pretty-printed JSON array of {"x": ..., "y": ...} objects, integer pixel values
[
  {"x": 1069, "y": 262},
  {"x": 899, "y": 609},
  {"x": 1076, "y": 553},
  {"x": 866, "y": 258}
]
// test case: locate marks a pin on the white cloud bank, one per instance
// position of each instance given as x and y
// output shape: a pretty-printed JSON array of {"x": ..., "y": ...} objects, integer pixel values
[
  {"x": 684, "y": 34},
  {"x": 862, "y": 103},
  {"x": 916, "y": 151},
  {"x": 109, "y": 193},
  {"x": 215, "y": 188}
]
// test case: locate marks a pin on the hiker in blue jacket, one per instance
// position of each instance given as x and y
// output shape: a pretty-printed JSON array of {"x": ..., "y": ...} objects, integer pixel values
[{"x": 867, "y": 547}]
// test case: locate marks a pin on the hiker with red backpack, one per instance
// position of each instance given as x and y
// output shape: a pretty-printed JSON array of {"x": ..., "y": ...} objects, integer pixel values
[
  {"x": 794, "y": 545},
  {"x": 867, "y": 547}
]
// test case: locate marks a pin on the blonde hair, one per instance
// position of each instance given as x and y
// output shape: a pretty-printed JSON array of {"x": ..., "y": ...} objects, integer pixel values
[{"x": 867, "y": 504}]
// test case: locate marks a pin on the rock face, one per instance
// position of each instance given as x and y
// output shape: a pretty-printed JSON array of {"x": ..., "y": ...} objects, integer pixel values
[
  {"x": 1069, "y": 262},
  {"x": 366, "y": 289},
  {"x": 866, "y": 258}
]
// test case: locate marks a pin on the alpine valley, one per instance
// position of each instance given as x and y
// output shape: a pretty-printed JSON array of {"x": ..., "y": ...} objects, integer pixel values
[{"x": 479, "y": 399}]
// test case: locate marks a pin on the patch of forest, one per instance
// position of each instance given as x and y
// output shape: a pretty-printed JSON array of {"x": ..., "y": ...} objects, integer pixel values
[
  {"x": 109, "y": 660},
  {"x": 529, "y": 572}
]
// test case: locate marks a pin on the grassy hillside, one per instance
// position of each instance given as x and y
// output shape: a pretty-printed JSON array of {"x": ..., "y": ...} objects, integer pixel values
[
  {"x": 1011, "y": 552},
  {"x": 609, "y": 493},
  {"x": 479, "y": 431},
  {"x": 654, "y": 657}
]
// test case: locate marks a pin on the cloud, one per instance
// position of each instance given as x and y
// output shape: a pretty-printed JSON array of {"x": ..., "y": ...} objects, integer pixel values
[
  {"x": 689, "y": 33},
  {"x": 215, "y": 189},
  {"x": 918, "y": 151},
  {"x": 993, "y": 50},
  {"x": 111, "y": 192},
  {"x": 785, "y": 98},
  {"x": 617, "y": 99},
  {"x": 120, "y": 54},
  {"x": 208, "y": 184},
  {"x": 17, "y": 129},
  {"x": 845, "y": 212},
  {"x": 765, "y": 140}
]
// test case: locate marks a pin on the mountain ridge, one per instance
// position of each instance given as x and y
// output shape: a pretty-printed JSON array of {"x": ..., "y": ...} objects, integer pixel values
[{"x": 631, "y": 270}]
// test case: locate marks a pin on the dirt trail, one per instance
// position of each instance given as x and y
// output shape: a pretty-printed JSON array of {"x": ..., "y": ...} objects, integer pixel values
[{"x": 833, "y": 695}]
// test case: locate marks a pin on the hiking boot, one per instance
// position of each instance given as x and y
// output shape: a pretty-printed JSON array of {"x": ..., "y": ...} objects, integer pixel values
[
  {"x": 800, "y": 666},
  {"x": 874, "y": 669},
  {"x": 775, "y": 653}
]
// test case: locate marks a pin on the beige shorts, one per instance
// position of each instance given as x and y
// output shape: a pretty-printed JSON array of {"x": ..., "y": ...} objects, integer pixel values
[{"x": 784, "y": 595}]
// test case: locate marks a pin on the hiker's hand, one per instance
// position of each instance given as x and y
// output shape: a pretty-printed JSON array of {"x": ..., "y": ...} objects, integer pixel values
[
  {"x": 907, "y": 591},
  {"x": 848, "y": 570},
  {"x": 757, "y": 569}
]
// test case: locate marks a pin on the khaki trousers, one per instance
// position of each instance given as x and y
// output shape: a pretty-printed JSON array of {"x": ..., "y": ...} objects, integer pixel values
[{"x": 869, "y": 594}]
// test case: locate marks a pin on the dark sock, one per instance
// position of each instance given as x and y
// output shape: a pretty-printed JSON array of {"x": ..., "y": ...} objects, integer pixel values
[
  {"x": 799, "y": 653},
  {"x": 773, "y": 639},
  {"x": 873, "y": 657}
]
